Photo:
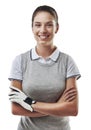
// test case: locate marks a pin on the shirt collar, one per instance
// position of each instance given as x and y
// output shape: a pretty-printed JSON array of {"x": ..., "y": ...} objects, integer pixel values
[
  {"x": 35, "y": 56},
  {"x": 53, "y": 56}
]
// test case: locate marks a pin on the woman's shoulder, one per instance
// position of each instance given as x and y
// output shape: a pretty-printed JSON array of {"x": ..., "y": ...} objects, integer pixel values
[
  {"x": 26, "y": 55},
  {"x": 63, "y": 55},
  {"x": 23, "y": 54}
]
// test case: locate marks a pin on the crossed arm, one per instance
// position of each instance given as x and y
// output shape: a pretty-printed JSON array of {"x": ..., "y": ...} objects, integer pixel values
[{"x": 67, "y": 105}]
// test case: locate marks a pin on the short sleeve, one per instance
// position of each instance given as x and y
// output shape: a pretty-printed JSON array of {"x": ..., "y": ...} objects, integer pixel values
[
  {"x": 16, "y": 71},
  {"x": 72, "y": 69}
]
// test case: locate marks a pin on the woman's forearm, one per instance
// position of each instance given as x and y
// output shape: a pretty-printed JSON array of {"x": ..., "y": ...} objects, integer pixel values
[
  {"x": 56, "y": 109},
  {"x": 18, "y": 110},
  {"x": 67, "y": 105}
]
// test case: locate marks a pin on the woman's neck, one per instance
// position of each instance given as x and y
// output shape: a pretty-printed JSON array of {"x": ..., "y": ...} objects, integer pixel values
[{"x": 45, "y": 51}]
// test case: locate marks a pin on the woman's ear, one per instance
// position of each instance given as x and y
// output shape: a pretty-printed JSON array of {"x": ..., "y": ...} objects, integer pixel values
[{"x": 57, "y": 28}]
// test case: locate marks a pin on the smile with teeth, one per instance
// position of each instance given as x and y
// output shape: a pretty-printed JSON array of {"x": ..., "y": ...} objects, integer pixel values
[{"x": 43, "y": 37}]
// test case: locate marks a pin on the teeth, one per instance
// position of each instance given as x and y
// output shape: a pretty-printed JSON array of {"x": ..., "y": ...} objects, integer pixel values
[{"x": 43, "y": 37}]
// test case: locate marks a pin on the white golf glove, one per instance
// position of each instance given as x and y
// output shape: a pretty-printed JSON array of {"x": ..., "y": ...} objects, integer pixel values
[{"x": 19, "y": 97}]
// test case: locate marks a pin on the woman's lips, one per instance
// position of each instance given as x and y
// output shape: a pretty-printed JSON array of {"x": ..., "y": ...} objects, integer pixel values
[{"x": 43, "y": 37}]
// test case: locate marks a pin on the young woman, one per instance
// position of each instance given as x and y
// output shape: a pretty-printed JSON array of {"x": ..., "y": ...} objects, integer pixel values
[{"x": 43, "y": 79}]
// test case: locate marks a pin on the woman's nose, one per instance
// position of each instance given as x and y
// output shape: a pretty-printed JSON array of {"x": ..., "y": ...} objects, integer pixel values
[{"x": 43, "y": 29}]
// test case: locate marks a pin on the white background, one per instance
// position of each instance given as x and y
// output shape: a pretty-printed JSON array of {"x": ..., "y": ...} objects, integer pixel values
[{"x": 74, "y": 38}]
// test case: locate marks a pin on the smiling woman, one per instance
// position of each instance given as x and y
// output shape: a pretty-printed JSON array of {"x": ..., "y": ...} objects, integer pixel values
[
  {"x": 44, "y": 26},
  {"x": 44, "y": 29},
  {"x": 43, "y": 79}
]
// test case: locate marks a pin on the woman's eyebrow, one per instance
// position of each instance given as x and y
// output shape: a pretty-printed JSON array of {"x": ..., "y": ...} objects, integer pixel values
[
  {"x": 37, "y": 22},
  {"x": 45, "y": 22}
]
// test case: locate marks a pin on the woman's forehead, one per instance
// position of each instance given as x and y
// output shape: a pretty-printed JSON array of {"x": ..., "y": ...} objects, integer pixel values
[{"x": 46, "y": 16}]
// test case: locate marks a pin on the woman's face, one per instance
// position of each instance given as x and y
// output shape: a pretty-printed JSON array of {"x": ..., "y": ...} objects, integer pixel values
[{"x": 44, "y": 28}]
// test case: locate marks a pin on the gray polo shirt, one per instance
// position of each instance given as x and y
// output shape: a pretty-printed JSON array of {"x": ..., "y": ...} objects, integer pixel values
[{"x": 44, "y": 82}]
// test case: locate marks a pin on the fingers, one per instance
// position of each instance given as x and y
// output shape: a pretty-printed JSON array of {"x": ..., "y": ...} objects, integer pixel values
[
  {"x": 15, "y": 100},
  {"x": 15, "y": 89},
  {"x": 70, "y": 94},
  {"x": 70, "y": 90},
  {"x": 13, "y": 95},
  {"x": 70, "y": 98}
]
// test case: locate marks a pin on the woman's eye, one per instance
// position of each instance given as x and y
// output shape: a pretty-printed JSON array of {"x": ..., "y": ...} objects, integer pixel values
[
  {"x": 49, "y": 25},
  {"x": 37, "y": 25}
]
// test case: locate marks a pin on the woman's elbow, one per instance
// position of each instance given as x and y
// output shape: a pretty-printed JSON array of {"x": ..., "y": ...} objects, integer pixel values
[
  {"x": 74, "y": 111},
  {"x": 15, "y": 109},
  {"x": 14, "y": 112}
]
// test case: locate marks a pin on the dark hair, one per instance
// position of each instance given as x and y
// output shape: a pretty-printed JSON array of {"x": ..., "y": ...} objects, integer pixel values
[{"x": 45, "y": 8}]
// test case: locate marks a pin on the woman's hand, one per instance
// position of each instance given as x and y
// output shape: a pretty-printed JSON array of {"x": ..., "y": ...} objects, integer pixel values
[
  {"x": 16, "y": 95},
  {"x": 68, "y": 95}
]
